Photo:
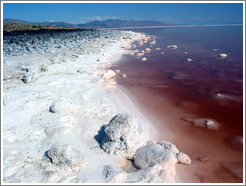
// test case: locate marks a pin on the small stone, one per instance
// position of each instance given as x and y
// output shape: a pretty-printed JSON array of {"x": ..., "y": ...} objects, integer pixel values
[
  {"x": 132, "y": 53},
  {"x": 124, "y": 75},
  {"x": 223, "y": 55},
  {"x": 183, "y": 158},
  {"x": 172, "y": 46},
  {"x": 144, "y": 59},
  {"x": 110, "y": 74},
  {"x": 188, "y": 59},
  {"x": 147, "y": 50},
  {"x": 158, "y": 49},
  {"x": 140, "y": 54},
  {"x": 152, "y": 42}
]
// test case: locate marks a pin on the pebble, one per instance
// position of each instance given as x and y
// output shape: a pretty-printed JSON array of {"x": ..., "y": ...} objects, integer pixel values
[
  {"x": 223, "y": 55},
  {"x": 144, "y": 59}
]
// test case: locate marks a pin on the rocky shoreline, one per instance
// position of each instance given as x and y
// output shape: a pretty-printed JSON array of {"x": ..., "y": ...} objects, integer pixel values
[{"x": 61, "y": 123}]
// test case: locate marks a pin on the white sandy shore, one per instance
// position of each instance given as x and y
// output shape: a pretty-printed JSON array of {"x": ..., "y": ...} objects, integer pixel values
[
  {"x": 84, "y": 98},
  {"x": 29, "y": 129}
]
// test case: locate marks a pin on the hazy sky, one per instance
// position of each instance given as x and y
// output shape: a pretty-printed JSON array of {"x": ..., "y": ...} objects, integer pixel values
[{"x": 176, "y": 13}]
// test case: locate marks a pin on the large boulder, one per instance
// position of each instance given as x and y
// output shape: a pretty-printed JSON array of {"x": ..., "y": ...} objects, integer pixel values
[
  {"x": 123, "y": 135},
  {"x": 65, "y": 157},
  {"x": 152, "y": 154}
]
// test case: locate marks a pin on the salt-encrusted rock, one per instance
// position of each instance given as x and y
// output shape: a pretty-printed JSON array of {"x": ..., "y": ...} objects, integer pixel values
[
  {"x": 172, "y": 46},
  {"x": 140, "y": 54},
  {"x": 30, "y": 76},
  {"x": 60, "y": 106},
  {"x": 127, "y": 47},
  {"x": 124, "y": 75},
  {"x": 109, "y": 74},
  {"x": 203, "y": 123},
  {"x": 140, "y": 43},
  {"x": 33, "y": 73},
  {"x": 223, "y": 55},
  {"x": 133, "y": 46},
  {"x": 188, "y": 59},
  {"x": 158, "y": 49},
  {"x": 152, "y": 174},
  {"x": 117, "y": 71},
  {"x": 113, "y": 174},
  {"x": 144, "y": 59},
  {"x": 235, "y": 142},
  {"x": 135, "y": 51},
  {"x": 43, "y": 68},
  {"x": 153, "y": 154},
  {"x": 147, "y": 50},
  {"x": 123, "y": 135},
  {"x": 169, "y": 146},
  {"x": 65, "y": 157},
  {"x": 132, "y": 54},
  {"x": 183, "y": 158},
  {"x": 152, "y": 42}
]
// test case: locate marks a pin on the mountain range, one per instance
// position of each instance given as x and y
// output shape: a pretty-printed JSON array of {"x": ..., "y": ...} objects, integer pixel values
[{"x": 111, "y": 23}]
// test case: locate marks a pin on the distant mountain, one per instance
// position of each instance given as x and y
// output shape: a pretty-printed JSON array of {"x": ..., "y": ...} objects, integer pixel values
[
  {"x": 55, "y": 24},
  {"x": 9, "y": 20},
  {"x": 111, "y": 23},
  {"x": 117, "y": 23}
]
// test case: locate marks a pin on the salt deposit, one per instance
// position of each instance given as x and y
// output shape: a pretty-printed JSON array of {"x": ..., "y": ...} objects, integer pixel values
[
  {"x": 223, "y": 55},
  {"x": 172, "y": 46},
  {"x": 59, "y": 123}
]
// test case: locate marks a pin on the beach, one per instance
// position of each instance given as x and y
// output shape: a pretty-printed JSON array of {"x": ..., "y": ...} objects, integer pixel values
[{"x": 59, "y": 98}]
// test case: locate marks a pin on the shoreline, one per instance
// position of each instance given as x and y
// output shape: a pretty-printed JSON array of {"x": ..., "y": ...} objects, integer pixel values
[{"x": 62, "y": 108}]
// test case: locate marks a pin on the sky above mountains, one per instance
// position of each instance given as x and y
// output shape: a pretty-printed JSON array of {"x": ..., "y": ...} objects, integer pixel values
[{"x": 174, "y": 13}]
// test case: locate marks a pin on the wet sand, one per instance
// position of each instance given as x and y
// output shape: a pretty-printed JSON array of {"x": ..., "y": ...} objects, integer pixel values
[{"x": 167, "y": 90}]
